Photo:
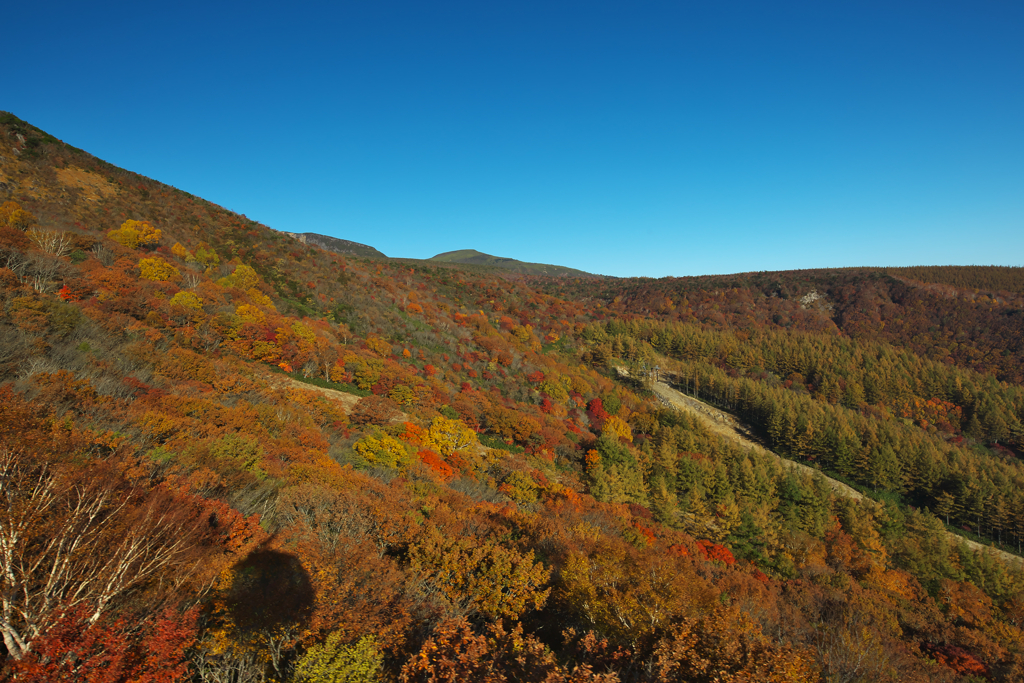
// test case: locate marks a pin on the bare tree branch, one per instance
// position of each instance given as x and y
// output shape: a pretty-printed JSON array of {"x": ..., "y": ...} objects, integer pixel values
[{"x": 70, "y": 537}]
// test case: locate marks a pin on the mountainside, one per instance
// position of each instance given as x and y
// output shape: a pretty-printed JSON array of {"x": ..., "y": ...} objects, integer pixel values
[
  {"x": 228, "y": 455},
  {"x": 337, "y": 246},
  {"x": 473, "y": 257}
]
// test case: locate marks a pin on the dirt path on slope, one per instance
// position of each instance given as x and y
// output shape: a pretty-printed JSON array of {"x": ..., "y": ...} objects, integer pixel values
[
  {"x": 728, "y": 427},
  {"x": 348, "y": 401},
  {"x": 731, "y": 429}
]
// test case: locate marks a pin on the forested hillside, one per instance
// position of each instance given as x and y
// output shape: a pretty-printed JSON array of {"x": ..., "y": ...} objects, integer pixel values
[
  {"x": 972, "y": 317},
  {"x": 227, "y": 456}
]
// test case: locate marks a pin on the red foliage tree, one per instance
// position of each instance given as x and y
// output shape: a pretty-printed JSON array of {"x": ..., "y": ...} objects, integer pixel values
[
  {"x": 715, "y": 553},
  {"x": 123, "y": 651},
  {"x": 437, "y": 464}
]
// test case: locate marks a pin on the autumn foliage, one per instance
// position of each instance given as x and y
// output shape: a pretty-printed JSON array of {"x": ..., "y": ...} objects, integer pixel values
[
  {"x": 245, "y": 458},
  {"x": 134, "y": 234}
]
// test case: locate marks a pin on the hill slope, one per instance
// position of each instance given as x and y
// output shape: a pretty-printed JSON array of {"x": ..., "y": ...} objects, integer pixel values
[{"x": 466, "y": 486}]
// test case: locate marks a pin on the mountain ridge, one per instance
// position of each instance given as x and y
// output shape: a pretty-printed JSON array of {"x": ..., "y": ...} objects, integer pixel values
[{"x": 337, "y": 245}]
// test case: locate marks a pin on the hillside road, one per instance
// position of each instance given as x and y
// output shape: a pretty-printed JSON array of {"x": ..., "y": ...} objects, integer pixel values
[{"x": 729, "y": 428}]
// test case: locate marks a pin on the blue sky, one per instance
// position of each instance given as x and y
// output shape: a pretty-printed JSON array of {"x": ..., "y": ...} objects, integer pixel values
[{"x": 644, "y": 138}]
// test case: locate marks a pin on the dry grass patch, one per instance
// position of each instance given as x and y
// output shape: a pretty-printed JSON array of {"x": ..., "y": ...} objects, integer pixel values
[{"x": 93, "y": 186}]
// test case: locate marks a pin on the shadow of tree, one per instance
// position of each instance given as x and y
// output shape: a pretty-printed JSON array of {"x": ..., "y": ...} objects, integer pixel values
[{"x": 271, "y": 589}]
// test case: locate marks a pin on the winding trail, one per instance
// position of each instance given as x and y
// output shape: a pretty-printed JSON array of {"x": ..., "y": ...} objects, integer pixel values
[
  {"x": 348, "y": 401},
  {"x": 729, "y": 428}
]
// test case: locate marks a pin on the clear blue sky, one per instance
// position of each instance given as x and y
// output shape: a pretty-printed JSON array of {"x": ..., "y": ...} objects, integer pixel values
[{"x": 632, "y": 138}]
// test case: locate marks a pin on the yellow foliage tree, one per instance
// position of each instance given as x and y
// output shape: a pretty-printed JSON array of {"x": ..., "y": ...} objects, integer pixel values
[
  {"x": 243, "y": 451},
  {"x": 338, "y": 373},
  {"x": 244, "y": 277},
  {"x": 13, "y": 216},
  {"x": 260, "y": 299},
  {"x": 368, "y": 371},
  {"x": 157, "y": 269},
  {"x": 522, "y": 333},
  {"x": 189, "y": 300},
  {"x": 402, "y": 395},
  {"x": 382, "y": 450},
  {"x": 247, "y": 314},
  {"x": 578, "y": 385},
  {"x": 447, "y": 436},
  {"x": 206, "y": 255},
  {"x": 303, "y": 332},
  {"x": 519, "y": 487},
  {"x": 378, "y": 346},
  {"x": 181, "y": 252},
  {"x": 334, "y": 662},
  {"x": 555, "y": 389},
  {"x": 134, "y": 234},
  {"x": 618, "y": 427}
]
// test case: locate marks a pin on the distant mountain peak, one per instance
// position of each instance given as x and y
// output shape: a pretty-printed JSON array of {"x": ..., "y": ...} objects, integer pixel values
[
  {"x": 479, "y": 258},
  {"x": 458, "y": 253}
]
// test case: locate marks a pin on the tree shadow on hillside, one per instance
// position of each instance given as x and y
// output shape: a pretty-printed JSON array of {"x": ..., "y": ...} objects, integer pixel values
[{"x": 271, "y": 589}]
